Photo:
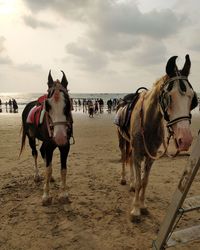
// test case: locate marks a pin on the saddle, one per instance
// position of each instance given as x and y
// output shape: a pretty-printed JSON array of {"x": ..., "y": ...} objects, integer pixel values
[
  {"x": 124, "y": 110},
  {"x": 36, "y": 114}
]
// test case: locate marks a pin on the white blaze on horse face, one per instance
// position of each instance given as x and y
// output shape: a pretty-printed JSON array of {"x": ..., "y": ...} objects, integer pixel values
[
  {"x": 56, "y": 113},
  {"x": 180, "y": 107}
]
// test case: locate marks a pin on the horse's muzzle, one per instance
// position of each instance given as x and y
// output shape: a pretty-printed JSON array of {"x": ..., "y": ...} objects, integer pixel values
[
  {"x": 60, "y": 141},
  {"x": 183, "y": 135},
  {"x": 60, "y": 137}
]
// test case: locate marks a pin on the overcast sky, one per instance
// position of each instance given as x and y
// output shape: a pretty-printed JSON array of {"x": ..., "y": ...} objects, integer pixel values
[{"x": 102, "y": 45}]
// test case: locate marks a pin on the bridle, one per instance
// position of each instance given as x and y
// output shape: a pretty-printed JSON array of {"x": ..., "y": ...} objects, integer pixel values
[
  {"x": 163, "y": 95},
  {"x": 50, "y": 124},
  {"x": 166, "y": 117}
]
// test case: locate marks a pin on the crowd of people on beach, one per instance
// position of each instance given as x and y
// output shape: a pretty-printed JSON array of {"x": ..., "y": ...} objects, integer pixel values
[
  {"x": 11, "y": 106},
  {"x": 86, "y": 105},
  {"x": 94, "y": 106}
]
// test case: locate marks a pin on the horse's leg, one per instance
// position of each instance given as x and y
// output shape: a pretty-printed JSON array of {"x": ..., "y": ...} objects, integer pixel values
[
  {"x": 43, "y": 154},
  {"x": 135, "y": 212},
  {"x": 122, "y": 147},
  {"x": 132, "y": 184},
  {"x": 63, "y": 158},
  {"x": 46, "y": 198},
  {"x": 123, "y": 173},
  {"x": 147, "y": 167},
  {"x": 32, "y": 144}
]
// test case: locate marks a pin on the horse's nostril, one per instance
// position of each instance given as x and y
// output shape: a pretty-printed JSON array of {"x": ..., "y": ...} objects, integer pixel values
[{"x": 180, "y": 141}]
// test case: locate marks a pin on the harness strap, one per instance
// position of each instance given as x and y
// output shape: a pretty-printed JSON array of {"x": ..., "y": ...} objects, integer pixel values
[
  {"x": 171, "y": 134},
  {"x": 176, "y": 78},
  {"x": 59, "y": 123},
  {"x": 181, "y": 118},
  {"x": 48, "y": 124}
]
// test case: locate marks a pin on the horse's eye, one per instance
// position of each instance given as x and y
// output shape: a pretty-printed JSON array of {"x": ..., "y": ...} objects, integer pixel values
[
  {"x": 47, "y": 106},
  {"x": 182, "y": 86}
]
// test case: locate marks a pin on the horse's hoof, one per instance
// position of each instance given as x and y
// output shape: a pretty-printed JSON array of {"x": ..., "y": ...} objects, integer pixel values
[
  {"x": 135, "y": 218},
  {"x": 38, "y": 178},
  {"x": 46, "y": 201},
  {"x": 123, "y": 182},
  {"x": 132, "y": 189},
  {"x": 52, "y": 179},
  {"x": 144, "y": 211},
  {"x": 64, "y": 199}
]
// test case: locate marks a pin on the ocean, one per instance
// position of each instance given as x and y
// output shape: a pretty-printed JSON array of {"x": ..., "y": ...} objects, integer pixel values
[{"x": 24, "y": 98}]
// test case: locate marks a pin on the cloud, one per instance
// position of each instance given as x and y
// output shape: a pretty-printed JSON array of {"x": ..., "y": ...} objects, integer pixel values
[
  {"x": 114, "y": 17},
  {"x": 151, "y": 52},
  {"x": 4, "y": 58},
  {"x": 35, "y": 23},
  {"x": 87, "y": 59},
  {"x": 2, "y": 48},
  {"x": 28, "y": 67},
  {"x": 115, "y": 35},
  {"x": 67, "y": 9}
]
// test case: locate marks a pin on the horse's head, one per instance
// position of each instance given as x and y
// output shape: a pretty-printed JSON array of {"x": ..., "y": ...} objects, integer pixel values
[
  {"x": 58, "y": 106},
  {"x": 177, "y": 99}
]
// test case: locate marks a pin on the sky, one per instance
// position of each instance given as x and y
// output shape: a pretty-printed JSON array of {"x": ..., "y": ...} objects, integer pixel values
[{"x": 103, "y": 46}]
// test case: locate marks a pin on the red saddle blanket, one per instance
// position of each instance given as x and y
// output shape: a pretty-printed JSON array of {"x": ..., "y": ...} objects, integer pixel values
[{"x": 36, "y": 114}]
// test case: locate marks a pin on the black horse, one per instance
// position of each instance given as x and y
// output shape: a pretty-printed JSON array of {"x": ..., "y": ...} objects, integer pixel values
[{"x": 50, "y": 121}]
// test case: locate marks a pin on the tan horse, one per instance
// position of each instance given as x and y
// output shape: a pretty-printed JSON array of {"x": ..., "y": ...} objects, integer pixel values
[{"x": 171, "y": 98}]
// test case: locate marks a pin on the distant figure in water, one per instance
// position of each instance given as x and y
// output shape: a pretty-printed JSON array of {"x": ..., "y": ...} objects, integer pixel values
[
  {"x": 0, "y": 106},
  {"x": 199, "y": 103},
  {"x": 10, "y": 105},
  {"x": 6, "y": 104},
  {"x": 15, "y": 106},
  {"x": 90, "y": 108}
]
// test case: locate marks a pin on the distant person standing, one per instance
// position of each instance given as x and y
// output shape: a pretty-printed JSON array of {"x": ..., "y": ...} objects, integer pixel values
[
  {"x": 6, "y": 104},
  {"x": 96, "y": 107},
  {"x": 90, "y": 108},
  {"x": 199, "y": 103},
  {"x": 0, "y": 106},
  {"x": 15, "y": 106},
  {"x": 10, "y": 105}
]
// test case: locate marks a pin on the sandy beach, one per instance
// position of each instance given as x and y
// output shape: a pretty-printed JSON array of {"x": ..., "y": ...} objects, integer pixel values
[{"x": 98, "y": 215}]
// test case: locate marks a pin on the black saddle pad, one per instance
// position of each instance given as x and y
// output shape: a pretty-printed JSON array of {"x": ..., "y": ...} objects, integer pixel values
[{"x": 127, "y": 103}]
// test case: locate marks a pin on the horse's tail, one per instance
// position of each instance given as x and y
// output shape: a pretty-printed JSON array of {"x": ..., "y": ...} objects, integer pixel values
[
  {"x": 125, "y": 148},
  {"x": 23, "y": 139}
]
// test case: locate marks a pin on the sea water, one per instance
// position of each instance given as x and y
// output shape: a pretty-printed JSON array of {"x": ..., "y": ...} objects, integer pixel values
[{"x": 24, "y": 98}]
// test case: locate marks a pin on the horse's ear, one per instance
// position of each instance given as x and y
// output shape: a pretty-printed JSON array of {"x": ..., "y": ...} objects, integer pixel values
[
  {"x": 186, "y": 68},
  {"x": 64, "y": 81},
  {"x": 171, "y": 68},
  {"x": 50, "y": 80}
]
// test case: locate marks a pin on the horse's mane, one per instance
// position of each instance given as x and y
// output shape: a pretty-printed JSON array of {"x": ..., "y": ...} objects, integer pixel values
[{"x": 159, "y": 84}]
